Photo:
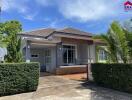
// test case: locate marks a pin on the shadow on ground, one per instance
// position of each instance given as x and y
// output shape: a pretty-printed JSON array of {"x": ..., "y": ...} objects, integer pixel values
[
  {"x": 101, "y": 93},
  {"x": 42, "y": 74}
]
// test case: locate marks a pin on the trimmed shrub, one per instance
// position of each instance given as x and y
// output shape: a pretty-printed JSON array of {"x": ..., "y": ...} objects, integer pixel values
[
  {"x": 115, "y": 76},
  {"x": 18, "y": 78}
]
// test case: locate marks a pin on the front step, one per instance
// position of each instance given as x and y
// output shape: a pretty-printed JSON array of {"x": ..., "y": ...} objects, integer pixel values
[{"x": 74, "y": 69}]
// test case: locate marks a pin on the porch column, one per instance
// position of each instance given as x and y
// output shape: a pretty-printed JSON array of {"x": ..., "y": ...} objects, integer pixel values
[
  {"x": 90, "y": 60},
  {"x": 89, "y": 55},
  {"x": 28, "y": 54}
]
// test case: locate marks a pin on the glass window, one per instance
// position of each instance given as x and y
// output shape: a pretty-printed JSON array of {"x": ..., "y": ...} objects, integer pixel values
[
  {"x": 102, "y": 55},
  {"x": 48, "y": 56},
  {"x": 68, "y": 54},
  {"x": 34, "y": 56}
]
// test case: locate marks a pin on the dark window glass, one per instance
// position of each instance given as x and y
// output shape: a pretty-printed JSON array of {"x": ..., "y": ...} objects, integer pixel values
[
  {"x": 68, "y": 54},
  {"x": 34, "y": 55}
]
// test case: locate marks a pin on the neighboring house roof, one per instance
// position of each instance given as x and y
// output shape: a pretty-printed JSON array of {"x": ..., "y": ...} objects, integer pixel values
[{"x": 49, "y": 31}]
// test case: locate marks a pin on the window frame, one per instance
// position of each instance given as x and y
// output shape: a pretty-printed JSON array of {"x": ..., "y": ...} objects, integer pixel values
[
  {"x": 74, "y": 52},
  {"x": 35, "y": 55},
  {"x": 48, "y": 59},
  {"x": 102, "y": 55}
]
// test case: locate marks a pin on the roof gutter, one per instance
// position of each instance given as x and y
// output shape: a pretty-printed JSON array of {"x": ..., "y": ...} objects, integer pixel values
[{"x": 35, "y": 36}]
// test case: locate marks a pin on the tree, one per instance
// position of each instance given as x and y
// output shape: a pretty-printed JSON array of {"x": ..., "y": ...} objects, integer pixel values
[
  {"x": 117, "y": 44},
  {"x": 3, "y": 39},
  {"x": 111, "y": 48},
  {"x": 119, "y": 36},
  {"x": 129, "y": 40},
  {"x": 11, "y": 29}
]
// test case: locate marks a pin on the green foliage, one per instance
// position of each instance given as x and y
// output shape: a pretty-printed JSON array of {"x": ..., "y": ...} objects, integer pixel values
[
  {"x": 129, "y": 39},
  {"x": 11, "y": 29},
  {"x": 116, "y": 76},
  {"x": 18, "y": 78},
  {"x": 117, "y": 44},
  {"x": 111, "y": 47},
  {"x": 3, "y": 41},
  {"x": 120, "y": 40}
]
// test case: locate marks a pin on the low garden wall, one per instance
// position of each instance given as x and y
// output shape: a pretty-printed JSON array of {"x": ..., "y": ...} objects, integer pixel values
[
  {"x": 116, "y": 76},
  {"x": 18, "y": 78}
]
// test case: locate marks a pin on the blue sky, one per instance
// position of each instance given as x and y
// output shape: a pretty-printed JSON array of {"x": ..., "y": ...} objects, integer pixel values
[{"x": 93, "y": 16}]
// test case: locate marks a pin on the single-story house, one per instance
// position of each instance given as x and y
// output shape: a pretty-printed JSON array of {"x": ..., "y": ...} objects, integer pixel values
[{"x": 58, "y": 49}]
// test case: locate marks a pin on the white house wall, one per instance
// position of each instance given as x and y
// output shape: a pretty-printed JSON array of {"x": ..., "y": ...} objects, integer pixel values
[
  {"x": 82, "y": 52},
  {"x": 86, "y": 52},
  {"x": 93, "y": 53},
  {"x": 41, "y": 58}
]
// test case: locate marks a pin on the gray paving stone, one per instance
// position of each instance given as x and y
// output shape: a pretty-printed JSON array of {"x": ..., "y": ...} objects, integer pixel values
[{"x": 59, "y": 88}]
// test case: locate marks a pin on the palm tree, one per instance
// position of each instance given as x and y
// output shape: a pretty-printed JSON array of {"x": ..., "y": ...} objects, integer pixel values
[
  {"x": 119, "y": 37},
  {"x": 117, "y": 45},
  {"x": 110, "y": 48},
  {"x": 129, "y": 39}
]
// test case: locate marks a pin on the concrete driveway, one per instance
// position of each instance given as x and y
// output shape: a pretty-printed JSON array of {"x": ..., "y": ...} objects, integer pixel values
[{"x": 60, "y": 88}]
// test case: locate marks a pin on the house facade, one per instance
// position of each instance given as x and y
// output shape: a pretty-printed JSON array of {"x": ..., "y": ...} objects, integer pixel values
[{"x": 56, "y": 49}]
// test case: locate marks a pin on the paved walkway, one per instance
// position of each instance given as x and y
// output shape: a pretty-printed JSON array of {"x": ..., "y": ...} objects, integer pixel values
[
  {"x": 78, "y": 77},
  {"x": 60, "y": 88}
]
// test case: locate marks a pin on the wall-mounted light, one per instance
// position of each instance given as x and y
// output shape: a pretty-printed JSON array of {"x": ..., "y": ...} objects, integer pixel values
[
  {"x": 28, "y": 46},
  {"x": 60, "y": 48}
]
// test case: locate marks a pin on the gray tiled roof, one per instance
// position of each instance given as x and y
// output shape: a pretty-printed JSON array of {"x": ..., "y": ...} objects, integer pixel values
[
  {"x": 40, "y": 32},
  {"x": 48, "y": 31},
  {"x": 75, "y": 31}
]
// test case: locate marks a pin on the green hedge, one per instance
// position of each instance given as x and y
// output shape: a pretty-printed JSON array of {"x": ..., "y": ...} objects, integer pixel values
[
  {"x": 116, "y": 76},
  {"x": 18, "y": 78}
]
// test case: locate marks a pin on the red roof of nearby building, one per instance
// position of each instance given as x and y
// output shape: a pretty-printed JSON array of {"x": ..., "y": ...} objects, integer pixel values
[{"x": 128, "y": 3}]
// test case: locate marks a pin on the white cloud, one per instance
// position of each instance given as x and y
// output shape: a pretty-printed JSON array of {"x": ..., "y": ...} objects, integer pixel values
[
  {"x": 21, "y": 7},
  {"x": 28, "y": 17},
  {"x": 46, "y": 2},
  {"x": 79, "y": 10},
  {"x": 56, "y": 23},
  {"x": 8, "y": 5},
  {"x": 85, "y": 10}
]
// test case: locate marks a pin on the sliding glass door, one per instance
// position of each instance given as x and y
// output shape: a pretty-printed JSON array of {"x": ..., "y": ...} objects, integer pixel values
[{"x": 68, "y": 54}]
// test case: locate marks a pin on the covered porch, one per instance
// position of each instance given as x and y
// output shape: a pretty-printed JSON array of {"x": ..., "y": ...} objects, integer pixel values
[{"x": 61, "y": 55}]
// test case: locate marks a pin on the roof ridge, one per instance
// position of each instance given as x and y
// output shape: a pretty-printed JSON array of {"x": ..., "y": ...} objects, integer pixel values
[
  {"x": 76, "y": 29},
  {"x": 37, "y": 30}
]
